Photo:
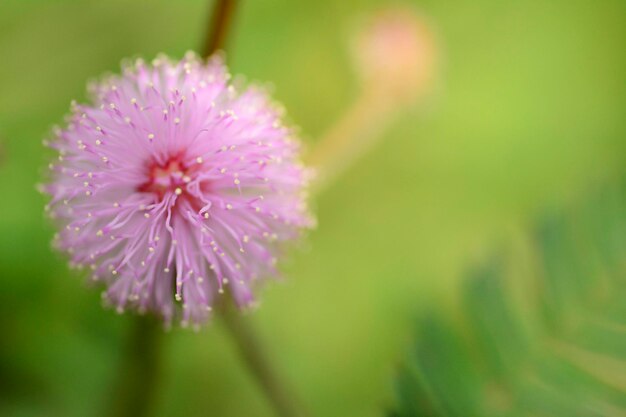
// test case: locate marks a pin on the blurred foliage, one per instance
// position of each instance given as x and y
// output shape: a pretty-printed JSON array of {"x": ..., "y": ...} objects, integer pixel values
[
  {"x": 527, "y": 112},
  {"x": 543, "y": 338}
]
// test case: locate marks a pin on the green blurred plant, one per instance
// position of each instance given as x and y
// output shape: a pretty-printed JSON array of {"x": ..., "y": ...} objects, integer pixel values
[{"x": 544, "y": 335}]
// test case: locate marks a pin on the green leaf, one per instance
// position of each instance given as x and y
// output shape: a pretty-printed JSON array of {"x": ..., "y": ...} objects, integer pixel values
[{"x": 540, "y": 330}]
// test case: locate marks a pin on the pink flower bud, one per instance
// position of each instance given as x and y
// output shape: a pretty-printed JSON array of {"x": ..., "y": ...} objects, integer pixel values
[{"x": 394, "y": 53}]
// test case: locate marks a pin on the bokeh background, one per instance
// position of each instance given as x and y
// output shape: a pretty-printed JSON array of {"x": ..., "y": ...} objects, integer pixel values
[{"x": 527, "y": 114}]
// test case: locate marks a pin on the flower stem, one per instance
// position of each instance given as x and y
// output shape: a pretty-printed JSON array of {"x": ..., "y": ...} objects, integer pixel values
[
  {"x": 351, "y": 137},
  {"x": 257, "y": 360},
  {"x": 134, "y": 391},
  {"x": 221, "y": 20}
]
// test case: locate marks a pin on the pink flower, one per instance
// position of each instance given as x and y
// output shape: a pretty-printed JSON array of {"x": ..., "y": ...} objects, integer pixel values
[{"x": 172, "y": 186}]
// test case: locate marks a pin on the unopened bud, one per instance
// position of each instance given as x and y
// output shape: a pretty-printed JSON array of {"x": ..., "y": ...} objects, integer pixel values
[{"x": 394, "y": 53}]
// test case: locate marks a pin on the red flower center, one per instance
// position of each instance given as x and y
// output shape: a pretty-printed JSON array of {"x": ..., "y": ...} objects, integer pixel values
[{"x": 168, "y": 178}]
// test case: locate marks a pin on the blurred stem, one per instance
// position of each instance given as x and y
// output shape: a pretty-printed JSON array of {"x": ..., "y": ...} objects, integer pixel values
[
  {"x": 221, "y": 20},
  {"x": 133, "y": 393},
  {"x": 352, "y": 136},
  {"x": 257, "y": 360}
]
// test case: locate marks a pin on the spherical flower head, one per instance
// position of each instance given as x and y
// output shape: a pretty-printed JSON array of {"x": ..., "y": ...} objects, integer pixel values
[{"x": 173, "y": 187}]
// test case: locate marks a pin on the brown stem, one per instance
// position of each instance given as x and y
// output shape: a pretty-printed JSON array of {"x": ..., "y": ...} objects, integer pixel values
[
  {"x": 220, "y": 22},
  {"x": 257, "y": 360},
  {"x": 134, "y": 391}
]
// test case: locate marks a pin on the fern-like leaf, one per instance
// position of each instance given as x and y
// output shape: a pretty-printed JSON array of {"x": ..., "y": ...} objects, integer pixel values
[{"x": 542, "y": 329}]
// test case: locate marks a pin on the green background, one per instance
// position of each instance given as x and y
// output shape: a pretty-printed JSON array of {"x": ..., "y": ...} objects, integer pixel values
[{"x": 527, "y": 113}]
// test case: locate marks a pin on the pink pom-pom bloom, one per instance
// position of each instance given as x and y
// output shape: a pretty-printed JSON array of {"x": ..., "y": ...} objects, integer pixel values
[{"x": 174, "y": 187}]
